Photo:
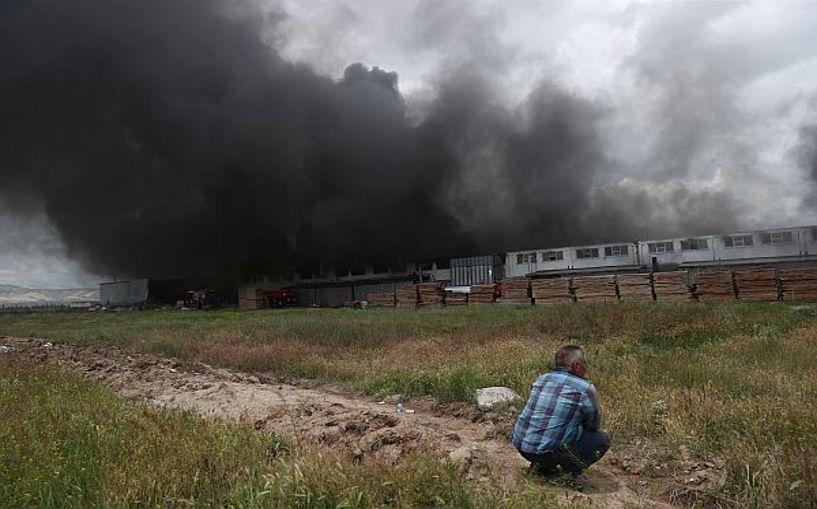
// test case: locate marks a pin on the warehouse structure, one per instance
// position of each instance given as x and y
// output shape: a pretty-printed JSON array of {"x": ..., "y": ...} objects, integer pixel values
[
  {"x": 158, "y": 292},
  {"x": 779, "y": 247}
]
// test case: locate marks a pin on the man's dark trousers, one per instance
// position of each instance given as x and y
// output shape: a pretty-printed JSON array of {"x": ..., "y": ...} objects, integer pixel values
[{"x": 573, "y": 457}]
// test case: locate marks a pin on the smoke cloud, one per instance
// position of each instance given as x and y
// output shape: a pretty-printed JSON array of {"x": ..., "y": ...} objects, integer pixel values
[
  {"x": 806, "y": 153},
  {"x": 170, "y": 137}
]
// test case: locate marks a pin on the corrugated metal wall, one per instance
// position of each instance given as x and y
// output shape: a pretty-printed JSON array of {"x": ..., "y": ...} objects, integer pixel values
[
  {"x": 123, "y": 293},
  {"x": 340, "y": 295},
  {"x": 306, "y": 296},
  {"x": 333, "y": 297},
  {"x": 476, "y": 270},
  {"x": 325, "y": 297}
]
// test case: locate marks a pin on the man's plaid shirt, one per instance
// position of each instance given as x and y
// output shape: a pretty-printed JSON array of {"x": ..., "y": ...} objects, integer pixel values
[{"x": 561, "y": 406}]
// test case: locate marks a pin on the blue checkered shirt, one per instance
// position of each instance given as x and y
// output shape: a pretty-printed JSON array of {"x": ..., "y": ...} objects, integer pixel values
[{"x": 560, "y": 407}]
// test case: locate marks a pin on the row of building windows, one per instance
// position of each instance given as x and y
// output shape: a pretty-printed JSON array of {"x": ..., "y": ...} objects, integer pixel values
[
  {"x": 555, "y": 256},
  {"x": 728, "y": 241},
  {"x": 773, "y": 238}
]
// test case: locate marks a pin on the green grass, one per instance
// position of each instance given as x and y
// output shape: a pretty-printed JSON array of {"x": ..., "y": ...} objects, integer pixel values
[
  {"x": 739, "y": 379},
  {"x": 68, "y": 442}
]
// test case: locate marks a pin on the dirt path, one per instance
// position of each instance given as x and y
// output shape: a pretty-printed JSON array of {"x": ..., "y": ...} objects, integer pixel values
[{"x": 327, "y": 415}]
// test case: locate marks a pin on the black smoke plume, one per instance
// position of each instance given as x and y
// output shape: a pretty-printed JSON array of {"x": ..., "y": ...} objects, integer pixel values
[{"x": 168, "y": 137}]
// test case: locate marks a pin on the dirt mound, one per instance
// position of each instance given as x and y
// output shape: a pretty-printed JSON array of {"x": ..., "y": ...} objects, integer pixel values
[{"x": 368, "y": 430}]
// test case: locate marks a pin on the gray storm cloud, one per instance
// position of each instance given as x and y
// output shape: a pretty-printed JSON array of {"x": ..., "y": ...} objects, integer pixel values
[{"x": 169, "y": 137}]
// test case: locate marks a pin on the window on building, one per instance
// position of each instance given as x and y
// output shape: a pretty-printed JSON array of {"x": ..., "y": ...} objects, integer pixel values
[
  {"x": 524, "y": 258},
  {"x": 738, "y": 240},
  {"x": 553, "y": 256},
  {"x": 616, "y": 250},
  {"x": 661, "y": 247},
  {"x": 776, "y": 238},
  {"x": 587, "y": 253},
  {"x": 694, "y": 245},
  {"x": 814, "y": 234}
]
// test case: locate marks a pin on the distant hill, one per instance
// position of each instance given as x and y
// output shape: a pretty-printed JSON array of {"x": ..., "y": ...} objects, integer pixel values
[{"x": 17, "y": 295}]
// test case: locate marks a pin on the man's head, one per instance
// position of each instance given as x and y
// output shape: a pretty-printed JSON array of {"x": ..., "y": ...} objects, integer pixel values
[{"x": 571, "y": 357}]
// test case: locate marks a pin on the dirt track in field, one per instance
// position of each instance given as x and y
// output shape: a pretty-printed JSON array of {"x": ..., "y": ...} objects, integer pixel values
[{"x": 364, "y": 428}]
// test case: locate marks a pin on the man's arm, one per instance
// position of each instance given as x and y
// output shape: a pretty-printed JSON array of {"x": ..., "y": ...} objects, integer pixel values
[{"x": 591, "y": 413}]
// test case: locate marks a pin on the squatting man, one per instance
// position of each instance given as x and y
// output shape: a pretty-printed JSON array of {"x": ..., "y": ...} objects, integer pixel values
[{"x": 559, "y": 430}]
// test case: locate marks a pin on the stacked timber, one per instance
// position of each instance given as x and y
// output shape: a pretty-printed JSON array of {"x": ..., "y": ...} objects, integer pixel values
[
  {"x": 382, "y": 300},
  {"x": 634, "y": 286},
  {"x": 431, "y": 294},
  {"x": 757, "y": 283},
  {"x": 715, "y": 285},
  {"x": 406, "y": 296},
  {"x": 799, "y": 284},
  {"x": 595, "y": 288},
  {"x": 482, "y": 294},
  {"x": 515, "y": 290},
  {"x": 551, "y": 290},
  {"x": 456, "y": 299},
  {"x": 251, "y": 298},
  {"x": 671, "y": 285}
]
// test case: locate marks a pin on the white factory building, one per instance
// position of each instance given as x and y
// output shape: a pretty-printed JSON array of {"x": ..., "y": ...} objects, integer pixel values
[{"x": 779, "y": 246}]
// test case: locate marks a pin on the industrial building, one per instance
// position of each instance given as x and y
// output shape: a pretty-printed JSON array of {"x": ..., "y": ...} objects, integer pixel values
[
  {"x": 336, "y": 289},
  {"x": 157, "y": 292},
  {"x": 778, "y": 247}
]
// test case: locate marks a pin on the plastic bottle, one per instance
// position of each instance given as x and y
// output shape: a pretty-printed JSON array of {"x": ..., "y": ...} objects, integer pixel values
[{"x": 400, "y": 406}]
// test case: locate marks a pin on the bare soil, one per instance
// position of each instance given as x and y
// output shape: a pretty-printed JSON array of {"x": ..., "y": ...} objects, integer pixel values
[{"x": 366, "y": 429}]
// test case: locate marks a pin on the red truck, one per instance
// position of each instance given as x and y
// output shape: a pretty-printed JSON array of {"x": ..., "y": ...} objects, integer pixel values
[{"x": 280, "y": 297}]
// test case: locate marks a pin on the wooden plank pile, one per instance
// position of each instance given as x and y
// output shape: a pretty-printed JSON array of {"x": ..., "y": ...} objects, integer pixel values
[
  {"x": 634, "y": 286},
  {"x": 456, "y": 299},
  {"x": 717, "y": 285},
  {"x": 671, "y": 285},
  {"x": 799, "y": 284},
  {"x": 431, "y": 294},
  {"x": 515, "y": 290},
  {"x": 482, "y": 294},
  {"x": 551, "y": 290},
  {"x": 757, "y": 283},
  {"x": 595, "y": 288},
  {"x": 251, "y": 298},
  {"x": 382, "y": 300},
  {"x": 406, "y": 296}
]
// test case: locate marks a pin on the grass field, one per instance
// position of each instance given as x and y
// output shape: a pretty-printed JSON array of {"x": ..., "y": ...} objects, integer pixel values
[
  {"x": 70, "y": 443},
  {"x": 738, "y": 379}
]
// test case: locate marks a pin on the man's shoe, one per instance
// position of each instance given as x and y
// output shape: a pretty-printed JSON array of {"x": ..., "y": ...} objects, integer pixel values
[{"x": 539, "y": 470}]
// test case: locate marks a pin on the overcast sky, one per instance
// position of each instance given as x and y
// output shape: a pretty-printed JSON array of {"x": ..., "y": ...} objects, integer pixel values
[{"x": 706, "y": 97}]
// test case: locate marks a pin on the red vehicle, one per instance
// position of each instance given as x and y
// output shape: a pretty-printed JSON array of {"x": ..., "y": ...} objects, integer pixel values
[{"x": 280, "y": 297}]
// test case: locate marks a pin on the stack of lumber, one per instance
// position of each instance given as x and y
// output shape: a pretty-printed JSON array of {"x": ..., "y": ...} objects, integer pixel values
[
  {"x": 482, "y": 294},
  {"x": 251, "y": 298},
  {"x": 515, "y": 290},
  {"x": 381, "y": 300},
  {"x": 456, "y": 299},
  {"x": 671, "y": 285},
  {"x": 715, "y": 285},
  {"x": 406, "y": 296},
  {"x": 595, "y": 288},
  {"x": 545, "y": 291},
  {"x": 431, "y": 294},
  {"x": 799, "y": 284},
  {"x": 757, "y": 283},
  {"x": 634, "y": 286}
]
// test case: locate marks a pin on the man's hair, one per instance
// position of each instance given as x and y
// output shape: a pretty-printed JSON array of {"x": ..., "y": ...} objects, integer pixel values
[{"x": 569, "y": 354}]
